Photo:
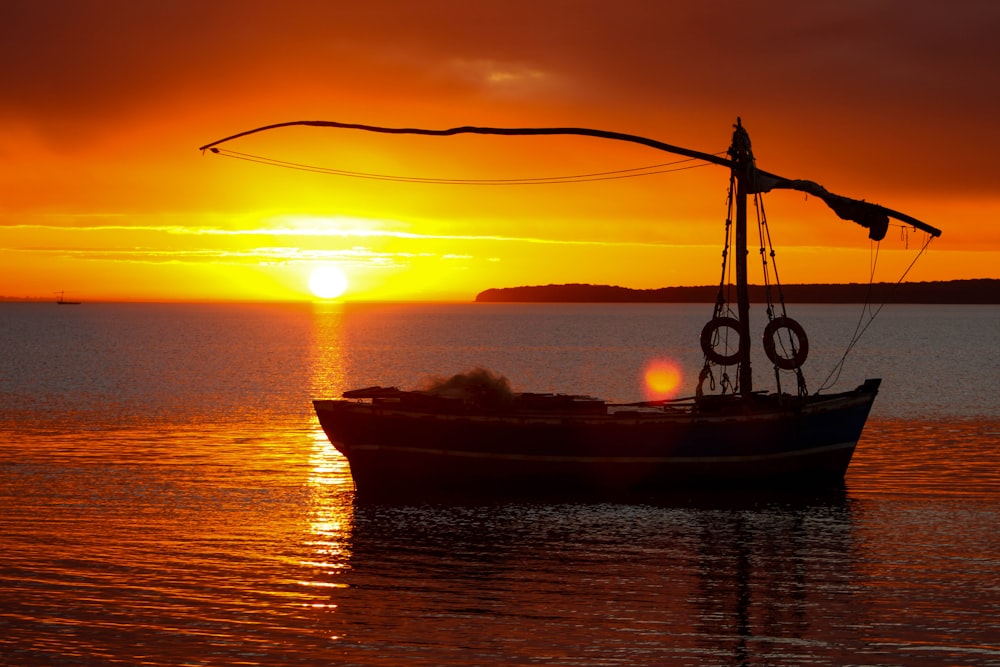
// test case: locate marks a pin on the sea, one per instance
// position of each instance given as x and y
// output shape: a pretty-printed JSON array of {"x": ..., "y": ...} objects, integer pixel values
[{"x": 167, "y": 497}]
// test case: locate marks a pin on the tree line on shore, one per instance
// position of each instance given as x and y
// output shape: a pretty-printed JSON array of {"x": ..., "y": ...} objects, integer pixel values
[{"x": 977, "y": 291}]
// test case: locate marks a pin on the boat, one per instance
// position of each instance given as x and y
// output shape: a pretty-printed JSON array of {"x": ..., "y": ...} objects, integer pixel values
[
  {"x": 404, "y": 442},
  {"x": 63, "y": 302},
  {"x": 473, "y": 435}
]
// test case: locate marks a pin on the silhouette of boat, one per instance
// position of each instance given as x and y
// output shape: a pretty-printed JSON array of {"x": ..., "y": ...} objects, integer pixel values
[
  {"x": 399, "y": 442},
  {"x": 473, "y": 435},
  {"x": 63, "y": 302}
]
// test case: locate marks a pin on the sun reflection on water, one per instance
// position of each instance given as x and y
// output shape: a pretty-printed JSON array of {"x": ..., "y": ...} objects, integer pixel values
[
  {"x": 331, "y": 515},
  {"x": 327, "y": 354},
  {"x": 331, "y": 488}
]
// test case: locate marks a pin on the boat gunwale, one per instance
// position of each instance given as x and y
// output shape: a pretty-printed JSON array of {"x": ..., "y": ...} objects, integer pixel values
[{"x": 769, "y": 407}]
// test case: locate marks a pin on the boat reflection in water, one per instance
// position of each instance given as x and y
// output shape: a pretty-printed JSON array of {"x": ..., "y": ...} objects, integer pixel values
[{"x": 649, "y": 584}]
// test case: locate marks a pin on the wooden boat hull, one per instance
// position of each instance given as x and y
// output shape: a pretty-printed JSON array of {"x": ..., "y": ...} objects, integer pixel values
[{"x": 399, "y": 450}]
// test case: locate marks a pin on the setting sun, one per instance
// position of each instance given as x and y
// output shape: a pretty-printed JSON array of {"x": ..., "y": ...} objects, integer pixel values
[{"x": 327, "y": 282}]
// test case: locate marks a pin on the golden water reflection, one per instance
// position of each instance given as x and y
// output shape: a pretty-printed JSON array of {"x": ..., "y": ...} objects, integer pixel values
[
  {"x": 331, "y": 488},
  {"x": 327, "y": 354},
  {"x": 950, "y": 458},
  {"x": 331, "y": 519}
]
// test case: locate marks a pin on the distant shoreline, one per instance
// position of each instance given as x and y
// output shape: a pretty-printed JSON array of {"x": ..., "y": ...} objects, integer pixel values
[
  {"x": 984, "y": 291},
  {"x": 977, "y": 291}
]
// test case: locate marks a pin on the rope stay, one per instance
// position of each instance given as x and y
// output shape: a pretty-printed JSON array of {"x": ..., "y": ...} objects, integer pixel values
[
  {"x": 712, "y": 335},
  {"x": 634, "y": 172},
  {"x": 794, "y": 345},
  {"x": 862, "y": 325}
]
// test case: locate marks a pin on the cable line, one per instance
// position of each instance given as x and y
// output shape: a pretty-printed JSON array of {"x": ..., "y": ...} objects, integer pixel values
[{"x": 649, "y": 170}]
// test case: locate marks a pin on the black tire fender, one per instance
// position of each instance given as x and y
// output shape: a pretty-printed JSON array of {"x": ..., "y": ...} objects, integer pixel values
[
  {"x": 708, "y": 334},
  {"x": 770, "y": 347}
]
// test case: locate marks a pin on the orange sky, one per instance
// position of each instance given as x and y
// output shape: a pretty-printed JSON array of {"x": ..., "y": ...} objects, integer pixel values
[{"x": 104, "y": 103}]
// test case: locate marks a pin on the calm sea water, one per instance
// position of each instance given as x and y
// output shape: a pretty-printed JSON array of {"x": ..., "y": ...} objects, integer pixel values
[{"x": 167, "y": 498}]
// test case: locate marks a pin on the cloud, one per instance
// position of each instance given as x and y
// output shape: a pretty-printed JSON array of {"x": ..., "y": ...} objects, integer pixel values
[
  {"x": 505, "y": 79},
  {"x": 297, "y": 234}
]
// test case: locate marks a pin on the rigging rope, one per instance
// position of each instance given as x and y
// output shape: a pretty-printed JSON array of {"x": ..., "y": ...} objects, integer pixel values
[
  {"x": 859, "y": 330},
  {"x": 722, "y": 300},
  {"x": 767, "y": 250},
  {"x": 650, "y": 170}
]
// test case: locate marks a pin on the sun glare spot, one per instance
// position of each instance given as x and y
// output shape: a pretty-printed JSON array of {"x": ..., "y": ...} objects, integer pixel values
[
  {"x": 662, "y": 379},
  {"x": 327, "y": 282}
]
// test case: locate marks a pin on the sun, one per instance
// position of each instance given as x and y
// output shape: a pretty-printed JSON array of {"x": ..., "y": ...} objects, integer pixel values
[{"x": 327, "y": 282}]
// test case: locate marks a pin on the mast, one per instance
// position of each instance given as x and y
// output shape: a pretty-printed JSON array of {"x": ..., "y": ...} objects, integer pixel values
[{"x": 742, "y": 160}]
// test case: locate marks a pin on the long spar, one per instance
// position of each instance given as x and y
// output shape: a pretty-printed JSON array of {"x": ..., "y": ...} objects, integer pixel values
[
  {"x": 872, "y": 216},
  {"x": 510, "y": 131}
]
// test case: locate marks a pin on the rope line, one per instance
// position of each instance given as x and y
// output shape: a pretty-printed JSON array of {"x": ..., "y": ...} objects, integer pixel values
[
  {"x": 650, "y": 170},
  {"x": 860, "y": 330}
]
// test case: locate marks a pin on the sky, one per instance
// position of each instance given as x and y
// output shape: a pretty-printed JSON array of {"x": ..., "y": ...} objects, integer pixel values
[{"x": 104, "y": 103}]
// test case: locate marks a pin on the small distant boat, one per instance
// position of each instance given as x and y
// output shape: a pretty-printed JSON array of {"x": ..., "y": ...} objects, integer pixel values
[
  {"x": 63, "y": 302},
  {"x": 472, "y": 435}
]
